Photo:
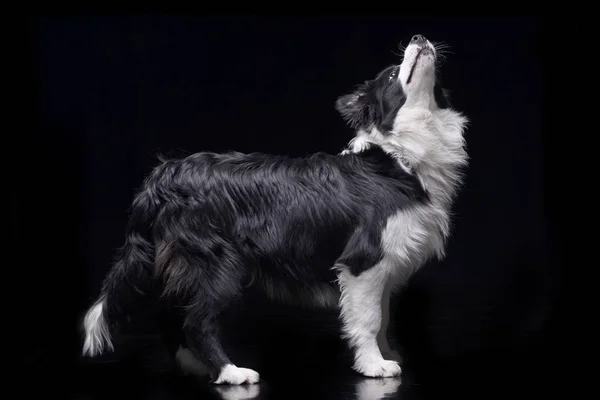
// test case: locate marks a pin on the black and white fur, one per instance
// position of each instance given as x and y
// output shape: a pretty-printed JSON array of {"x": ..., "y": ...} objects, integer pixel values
[{"x": 328, "y": 230}]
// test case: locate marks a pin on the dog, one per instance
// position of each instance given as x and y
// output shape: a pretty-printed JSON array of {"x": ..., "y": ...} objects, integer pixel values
[{"x": 332, "y": 230}]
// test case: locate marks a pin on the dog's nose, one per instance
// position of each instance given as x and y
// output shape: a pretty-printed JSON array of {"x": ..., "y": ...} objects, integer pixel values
[{"x": 418, "y": 39}]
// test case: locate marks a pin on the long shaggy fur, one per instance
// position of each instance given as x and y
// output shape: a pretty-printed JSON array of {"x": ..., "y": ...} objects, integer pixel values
[{"x": 327, "y": 230}]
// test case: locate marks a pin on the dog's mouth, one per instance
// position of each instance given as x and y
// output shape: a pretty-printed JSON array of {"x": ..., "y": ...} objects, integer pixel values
[{"x": 425, "y": 50}]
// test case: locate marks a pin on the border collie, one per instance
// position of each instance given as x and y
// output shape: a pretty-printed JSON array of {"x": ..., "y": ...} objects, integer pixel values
[{"x": 329, "y": 230}]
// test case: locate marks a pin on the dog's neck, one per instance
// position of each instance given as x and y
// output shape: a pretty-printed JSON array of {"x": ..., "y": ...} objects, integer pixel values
[{"x": 430, "y": 147}]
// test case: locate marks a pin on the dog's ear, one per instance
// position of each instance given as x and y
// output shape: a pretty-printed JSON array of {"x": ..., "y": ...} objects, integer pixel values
[{"x": 353, "y": 108}]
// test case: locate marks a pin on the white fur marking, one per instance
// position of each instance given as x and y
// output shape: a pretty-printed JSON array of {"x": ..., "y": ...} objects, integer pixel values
[
  {"x": 361, "y": 315},
  {"x": 232, "y": 375},
  {"x": 97, "y": 334},
  {"x": 427, "y": 142},
  {"x": 190, "y": 364}
]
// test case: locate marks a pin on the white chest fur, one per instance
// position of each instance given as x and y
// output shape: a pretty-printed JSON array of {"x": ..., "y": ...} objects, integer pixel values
[
  {"x": 413, "y": 235},
  {"x": 432, "y": 145}
]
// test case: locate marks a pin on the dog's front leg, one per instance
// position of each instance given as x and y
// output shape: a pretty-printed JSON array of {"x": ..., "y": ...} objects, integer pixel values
[{"x": 361, "y": 315}]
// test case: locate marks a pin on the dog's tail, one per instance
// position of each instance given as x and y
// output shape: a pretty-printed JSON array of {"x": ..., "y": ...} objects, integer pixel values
[{"x": 129, "y": 281}]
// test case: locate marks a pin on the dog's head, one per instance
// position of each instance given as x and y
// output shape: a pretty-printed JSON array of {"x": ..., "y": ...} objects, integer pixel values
[{"x": 412, "y": 84}]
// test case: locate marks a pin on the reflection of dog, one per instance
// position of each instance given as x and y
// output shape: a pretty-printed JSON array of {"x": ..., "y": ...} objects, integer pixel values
[
  {"x": 328, "y": 230},
  {"x": 377, "y": 389},
  {"x": 238, "y": 392}
]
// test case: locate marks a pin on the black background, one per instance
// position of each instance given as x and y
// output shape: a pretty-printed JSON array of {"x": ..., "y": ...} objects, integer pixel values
[{"x": 107, "y": 94}]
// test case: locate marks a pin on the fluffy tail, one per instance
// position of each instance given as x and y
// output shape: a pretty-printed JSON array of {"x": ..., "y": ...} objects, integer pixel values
[
  {"x": 128, "y": 282},
  {"x": 97, "y": 333}
]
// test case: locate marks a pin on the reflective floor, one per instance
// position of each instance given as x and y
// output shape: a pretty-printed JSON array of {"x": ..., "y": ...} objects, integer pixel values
[
  {"x": 299, "y": 355},
  {"x": 107, "y": 386},
  {"x": 305, "y": 375},
  {"x": 298, "y": 385}
]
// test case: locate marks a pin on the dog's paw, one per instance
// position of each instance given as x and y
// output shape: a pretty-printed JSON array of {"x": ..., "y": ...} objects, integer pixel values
[
  {"x": 379, "y": 368},
  {"x": 232, "y": 375}
]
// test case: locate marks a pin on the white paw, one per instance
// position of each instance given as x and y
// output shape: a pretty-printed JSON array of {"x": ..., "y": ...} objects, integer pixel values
[
  {"x": 232, "y": 375},
  {"x": 379, "y": 368}
]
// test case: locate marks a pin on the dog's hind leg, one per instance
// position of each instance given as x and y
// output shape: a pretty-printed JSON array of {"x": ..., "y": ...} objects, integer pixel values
[
  {"x": 202, "y": 339},
  {"x": 206, "y": 276},
  {"x": 361, "y": 314},
  {"x": 174, "y": 341}
]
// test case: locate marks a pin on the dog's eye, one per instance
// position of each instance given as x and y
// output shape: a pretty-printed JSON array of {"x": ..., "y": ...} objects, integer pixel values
[{"x": 393, "y": 75}]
